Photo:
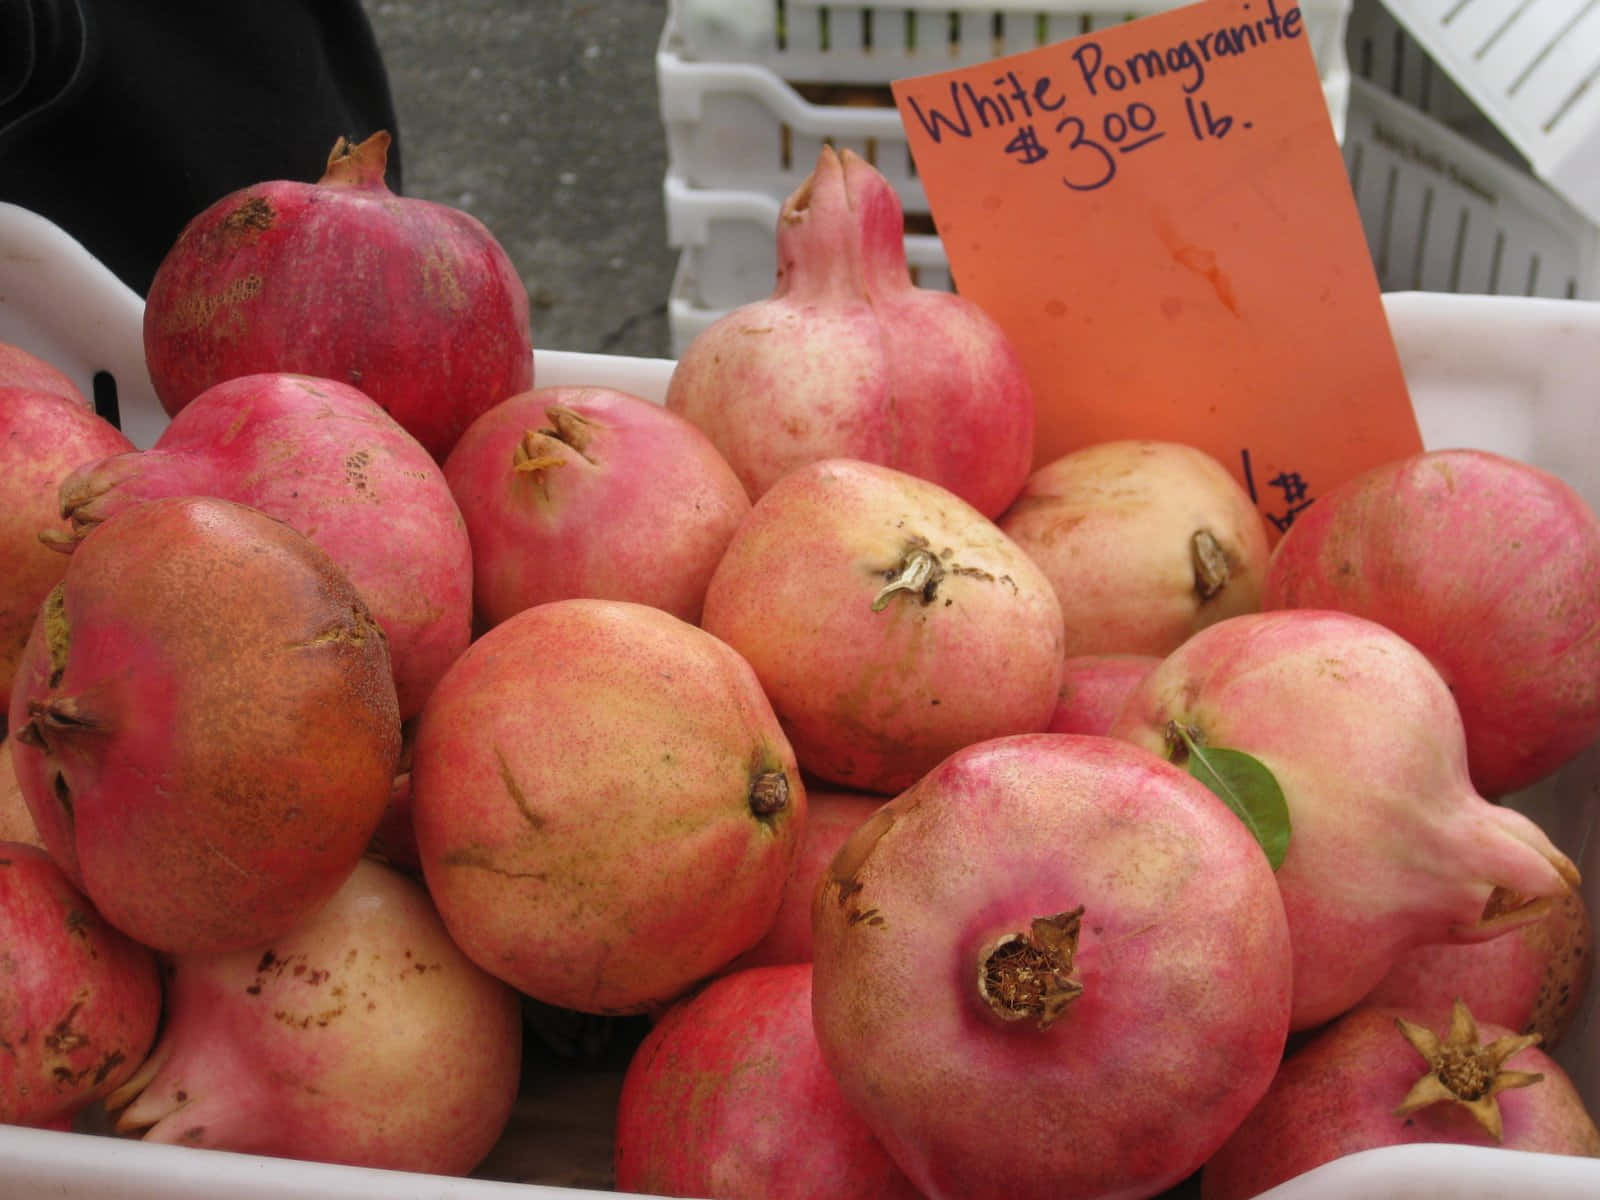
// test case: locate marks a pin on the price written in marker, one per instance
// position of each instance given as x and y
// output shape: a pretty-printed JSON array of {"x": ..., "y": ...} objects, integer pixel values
[{"x": 1159, "y": 217}]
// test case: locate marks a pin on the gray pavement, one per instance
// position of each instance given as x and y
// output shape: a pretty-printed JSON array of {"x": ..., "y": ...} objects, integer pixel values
[{"x": 540, "y": 118}]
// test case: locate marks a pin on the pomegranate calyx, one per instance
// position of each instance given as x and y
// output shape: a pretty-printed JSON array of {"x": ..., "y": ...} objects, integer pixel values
[
  {"x": 1211, "y": 570},
  {"x": 769, "y": 793},
  {"x": 572, "y": 428},
  {"x": 918, "y": 572},
  {"x": 1464, "y": 1070},
  {"x": 536, "y": 451},
  {"x": 1028, "y": 976},
  {"x": 359, "y": 164}
]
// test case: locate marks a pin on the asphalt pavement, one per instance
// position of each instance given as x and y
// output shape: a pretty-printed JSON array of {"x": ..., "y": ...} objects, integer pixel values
[{"x": 540, "y": 118}]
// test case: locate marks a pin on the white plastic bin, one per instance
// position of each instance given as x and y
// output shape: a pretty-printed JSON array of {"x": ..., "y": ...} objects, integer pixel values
[
  {"x": 757, "y": 124},
  {"x": 824, "y": 41},
  {"x": 1447, "y": 200},
  {"x": 1506, "y": 374},
  {"x": 1532, "y": 69}
]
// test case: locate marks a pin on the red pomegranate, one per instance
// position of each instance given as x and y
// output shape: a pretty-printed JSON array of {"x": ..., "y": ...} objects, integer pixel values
[
  {"x": 413, "y": 302},
  {"x": 728, "y": 1098},
  {"x": 1055, "y": 966}
]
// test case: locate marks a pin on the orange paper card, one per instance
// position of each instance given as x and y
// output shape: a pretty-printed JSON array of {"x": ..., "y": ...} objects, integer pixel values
[{"x": 1158, "y": 216}]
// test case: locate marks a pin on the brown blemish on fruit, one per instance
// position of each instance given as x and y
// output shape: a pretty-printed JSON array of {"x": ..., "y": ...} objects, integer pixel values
[
  {"x": 514, "y": 790},
  {"x": 1028, "y": 976},
  {"x": 194, "y": 312},
  {"x": 1210, "y": 562},
  {"x": 255, "y": 215}
]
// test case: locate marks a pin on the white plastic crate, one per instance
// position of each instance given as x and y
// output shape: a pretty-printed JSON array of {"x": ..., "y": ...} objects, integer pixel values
[
  {"x": 747, "y": 125},
  {"x": 1506, "y": 374},
  {"x": 824, "y": 41},
  {"x": 1447, "y": 201},
  {"x": 1533, "y": 69}
]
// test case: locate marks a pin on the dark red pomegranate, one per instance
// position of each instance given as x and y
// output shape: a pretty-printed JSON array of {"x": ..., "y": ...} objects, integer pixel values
[{"x": 413, "y": 302}]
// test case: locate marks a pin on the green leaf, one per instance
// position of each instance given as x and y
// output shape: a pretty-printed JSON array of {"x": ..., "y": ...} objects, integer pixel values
[{"x": 1247, "y": 787}]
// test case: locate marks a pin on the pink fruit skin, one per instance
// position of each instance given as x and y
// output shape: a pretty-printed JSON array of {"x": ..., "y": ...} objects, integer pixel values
[
  {"x": 876, "y": 686},
  {"x": 43, "y": 437},
  {"x": 1533, "y": 980},
  {"x": 1336, "y": 1095},
  {"x": 605, "y": 806},
  {"x": 21, "y": 369},
  {"x": 1390, "y": 847},
  {"x": 204, "y": 724},
  {"x": 1114, "y": 526},
  {"x": 847, "y": 359},
  {"x": 1489, "y": 566},
  {"x": 1094, "y": 687},
  {"x": 1183, "y": 958},
  {"x": 590, "y": 491},
  {"x": 831, "y": 817},
  {"x": 728, "y": 1098},
  {"x": 322, "y": 456},
  {"x": 79, "y": 1002},
  {"x": 363, "y": 1036},
  {"x": 411, "y": 301}
]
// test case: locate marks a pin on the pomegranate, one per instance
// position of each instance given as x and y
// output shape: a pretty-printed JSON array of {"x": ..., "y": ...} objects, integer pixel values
[
  {"x": 889, "y": 622},
  {"x": 591, "y": 491},
  {"x": 324, "y": 457},
  {"x": 831, "y": 817},
  {"x": 1144, "y": 541},
  {"x": 204, "y": 723},
  {"x": 361, "y": 1036},
  {"x": 16, "y": 822},
  {"x": 20, "y": 368},
  {"x": 1087, "y": 1007},
  {"x": 605, "y": 807},
  {"x": 1489, "y": 566},
  {"x": 413, "y": 302},
  {"x": 848, "y": 359},
  {"x": 1390, "y": 846},
  {"x": 1375, "y": 1077},
  {"x": 79, "y": 1002},
  {"x": 1534, "y": 979},
  {"x": 1094, "y": 687},
  {"x": 43, "y": 437},
  {"x": 728, "y": 1098}
]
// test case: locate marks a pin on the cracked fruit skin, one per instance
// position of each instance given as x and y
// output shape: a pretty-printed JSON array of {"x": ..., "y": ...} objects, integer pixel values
[
  {"x": 1390, "y": 847},
  {"x": 728, "y": 1097},
  {"x": 1158, "y": 967},
  {"x": 79, "y": 1001},
  {"x": 1490, "y": 567},
  {"x": 890, "y": 622},
  {"x": 43, "y": 437},
  {"x": 204, "y": 726},
  {"x": 606, "y": 808},
  {"x": 1338, "y": 1093},
  {"x": 363, "y": 1036}
]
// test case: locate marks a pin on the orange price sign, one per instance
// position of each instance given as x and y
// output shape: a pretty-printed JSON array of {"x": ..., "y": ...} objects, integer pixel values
[{"x": 1158, "y": 216}]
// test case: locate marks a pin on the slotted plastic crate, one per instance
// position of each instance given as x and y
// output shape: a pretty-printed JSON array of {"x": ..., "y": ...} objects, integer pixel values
[
  {"x": 757, "y": 123},
  {"x": 823, "y": 41},
  {"x": 1532, "y": 67},
  {"x": 1447, "y": 198}
]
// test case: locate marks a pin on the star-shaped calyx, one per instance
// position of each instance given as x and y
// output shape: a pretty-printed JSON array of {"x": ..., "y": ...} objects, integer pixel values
[{"x": 1462, "y": 1069}]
